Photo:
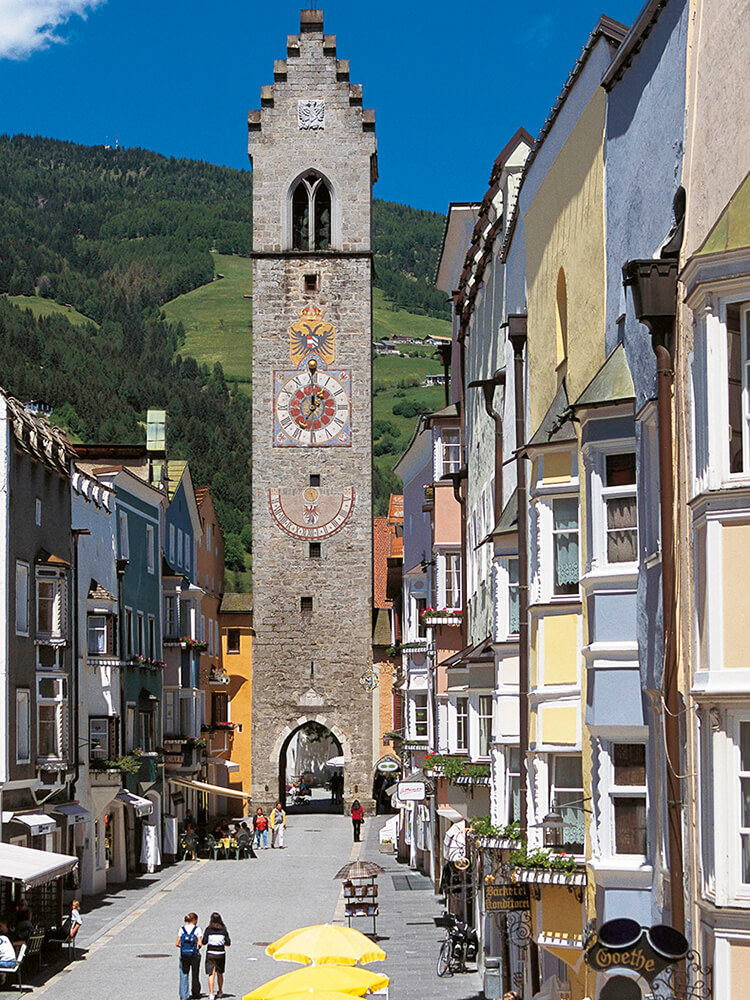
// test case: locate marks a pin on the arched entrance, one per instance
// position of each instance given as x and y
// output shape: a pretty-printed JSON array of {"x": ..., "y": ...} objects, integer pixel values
[{"x": 312, "y": 759}]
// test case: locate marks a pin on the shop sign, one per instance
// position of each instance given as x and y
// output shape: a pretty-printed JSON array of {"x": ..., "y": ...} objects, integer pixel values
[
  {"x": 388, "y": 766},
  {"x": 411, "y": 791},
  {"x": 623, "y": 943},
  {"x": 173, "y": 758},
  {"x": 506, "y": 897}
]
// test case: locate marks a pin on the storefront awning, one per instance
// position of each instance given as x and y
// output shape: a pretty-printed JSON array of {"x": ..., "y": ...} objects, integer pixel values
[
  {"x": 74, "y": 812},
  {"x": 38, "y": 823},
  {"x": 448, "y": 813},
  {"x": 202, "y": 786},
  {"x": 142, "y": 807},
  {"x": 230, "y": 765},
  {"x": 32, "y": 867}
]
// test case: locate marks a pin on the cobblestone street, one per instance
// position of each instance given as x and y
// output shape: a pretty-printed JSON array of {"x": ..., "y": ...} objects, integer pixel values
[{"x": 127, "y": 944}]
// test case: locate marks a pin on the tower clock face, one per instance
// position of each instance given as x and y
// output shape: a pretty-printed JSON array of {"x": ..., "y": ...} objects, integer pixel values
[{"x": 312, "y": 409}]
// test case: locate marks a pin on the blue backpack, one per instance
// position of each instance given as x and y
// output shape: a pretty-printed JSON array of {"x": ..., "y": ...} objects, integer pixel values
[{"x": 188, "y": 943}]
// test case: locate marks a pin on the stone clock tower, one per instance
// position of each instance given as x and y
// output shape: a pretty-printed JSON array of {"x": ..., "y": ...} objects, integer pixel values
[{"x": 313, "y": 153}]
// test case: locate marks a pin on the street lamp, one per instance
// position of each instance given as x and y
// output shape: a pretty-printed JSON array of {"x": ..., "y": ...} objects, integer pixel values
[{"x": 552, "y": 827}]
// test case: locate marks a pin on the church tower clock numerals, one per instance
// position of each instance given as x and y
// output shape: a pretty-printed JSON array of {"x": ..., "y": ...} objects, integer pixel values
[{"x": 314, "y": 157}]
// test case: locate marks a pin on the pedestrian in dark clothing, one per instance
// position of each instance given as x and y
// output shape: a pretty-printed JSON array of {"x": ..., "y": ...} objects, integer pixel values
[
  {"x": 358, "y": 818},
  {"x": 189, "y": 941},
  {"x": 216, "y": 937}
]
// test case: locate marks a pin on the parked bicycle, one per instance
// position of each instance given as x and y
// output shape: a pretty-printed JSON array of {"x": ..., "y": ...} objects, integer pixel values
[{"x": 459, "y": 946}]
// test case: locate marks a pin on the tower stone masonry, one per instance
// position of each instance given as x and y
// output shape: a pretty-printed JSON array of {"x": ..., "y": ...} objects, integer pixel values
[{"x": 313, "y": 153}]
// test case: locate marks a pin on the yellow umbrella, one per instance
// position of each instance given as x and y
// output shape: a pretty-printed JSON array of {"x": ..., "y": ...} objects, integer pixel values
[
  {"x": 317, "y": 995},
  {"x": 343, "y": 978},
  {"x": 325, "y": 944}
]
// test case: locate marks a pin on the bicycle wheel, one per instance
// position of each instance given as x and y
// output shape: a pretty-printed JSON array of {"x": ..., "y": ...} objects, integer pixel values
[{"x": 444, "y": 958}]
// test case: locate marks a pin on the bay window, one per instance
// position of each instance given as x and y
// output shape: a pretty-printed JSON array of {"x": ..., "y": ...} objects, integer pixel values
[
  {"x": 565, "y": 545},
  {"x": 419, "y": 704},
  {"x": 628, "y": 798},
  {"x": 450, "y": 451},
  {"x": 514, "y": 605},
  {"x": 566, "y": 793},
  {"x": 51, "y": 605},
  {"x": 485, "y": 724},
  {"x": 618, "y": 494},
  {"x": 52, "y": 729},
  {"x": 452, "y": 580},
  {"x": 744, "y": 805},
  {"x": 513, "y": 783},
  {"x": 462, "y": 724}
]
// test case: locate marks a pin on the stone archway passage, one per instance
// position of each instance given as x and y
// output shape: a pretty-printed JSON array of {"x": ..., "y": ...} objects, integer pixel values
[{"x": 331, "y": 745}]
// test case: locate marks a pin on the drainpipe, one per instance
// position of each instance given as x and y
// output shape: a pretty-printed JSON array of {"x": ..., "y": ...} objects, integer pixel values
[
  {"x": 488, "y": 387},
  {"x": 654, "y": 289},
  {"x": 517, "y": 336}
]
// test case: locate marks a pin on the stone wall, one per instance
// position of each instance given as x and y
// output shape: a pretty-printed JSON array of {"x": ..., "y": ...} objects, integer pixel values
[{"x": 307, "y": 665}]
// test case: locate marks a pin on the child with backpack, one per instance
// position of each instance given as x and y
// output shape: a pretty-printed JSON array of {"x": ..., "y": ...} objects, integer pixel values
[{"x": 189, "y": 941}]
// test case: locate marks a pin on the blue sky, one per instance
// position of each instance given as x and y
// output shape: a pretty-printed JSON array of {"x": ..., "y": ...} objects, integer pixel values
[{"x": 450, "y": 82}]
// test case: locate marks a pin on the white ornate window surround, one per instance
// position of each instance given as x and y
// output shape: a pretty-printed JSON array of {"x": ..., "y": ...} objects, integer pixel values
[
  {"x": 555, "y": 563},
  {"x": 725, "y": 778},
  {"x": 614, "y": 539},
  {"x": 720, "y": 380}
]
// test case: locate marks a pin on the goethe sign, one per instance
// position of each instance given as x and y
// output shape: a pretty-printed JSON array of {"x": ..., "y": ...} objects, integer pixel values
[{"x": 625, "y": 944}]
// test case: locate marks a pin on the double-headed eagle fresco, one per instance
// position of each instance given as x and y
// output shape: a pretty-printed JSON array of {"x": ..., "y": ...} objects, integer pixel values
[{"x": 311, "y": 335}]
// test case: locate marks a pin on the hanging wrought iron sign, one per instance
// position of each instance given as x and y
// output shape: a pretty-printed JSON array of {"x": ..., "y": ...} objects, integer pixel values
[
  {"x": 506, "y": 897},
  {"x": 624, "y": 944}
]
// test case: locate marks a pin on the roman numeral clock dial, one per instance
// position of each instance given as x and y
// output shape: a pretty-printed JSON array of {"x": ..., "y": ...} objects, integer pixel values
[{"x": 312, "y": 408}]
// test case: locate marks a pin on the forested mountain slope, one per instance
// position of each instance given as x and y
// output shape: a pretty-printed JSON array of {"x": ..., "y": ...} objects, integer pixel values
[{"x": 113, "y": 234}]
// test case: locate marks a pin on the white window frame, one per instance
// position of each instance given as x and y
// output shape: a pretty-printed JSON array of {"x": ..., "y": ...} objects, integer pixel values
[
  {"x": 461, "y": 721},
  {"x": 150, "y": 549},
  {"x": 99, "y": 737},
  {"x": 23, "y": 724},
  {"x": 171, "y": 616},
  {"x": 510, "y": 775},
  {"x": 597, "y": 459},
  {"x": 60, "y": 701},
  {"x": 59, "y": 611},
  {"x": 179, "y": 547},
  {"x": 124, "y": 537},
  {"x": 23, "y": 580},
  {"x": 609, "y": 791},
  {"x": 141, "y": 634},
  {"x": 131, "y": 716},
  {"x": 447, "y": 452},
  {"x": 416, "y": 711},
  {"x": 99, "y": 622},
  {"x": 231, "y": 651},
  {"x": 449, "y": 565},
  {"x": 188, "y": 547},
  {"x": 543, "y": 521},
  {"x": 171, "y": 545},
  {"x": 481, "y": 701},
  {"x": 555, "y": 790}
]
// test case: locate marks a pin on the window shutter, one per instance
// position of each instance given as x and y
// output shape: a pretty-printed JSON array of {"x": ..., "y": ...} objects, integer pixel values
[
  {"x": 112, "y": 738},
  {"x": 110, "y": 644}
]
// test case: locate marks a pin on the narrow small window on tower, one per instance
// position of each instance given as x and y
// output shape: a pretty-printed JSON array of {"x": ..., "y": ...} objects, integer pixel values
[
  {"x": 314, "y": 479},
  {"x": 311, "y": 282},
  {"x": 311, "y": 215},
  {"x": 306, "y": 606},
  {"x": 315, "y": 550}
]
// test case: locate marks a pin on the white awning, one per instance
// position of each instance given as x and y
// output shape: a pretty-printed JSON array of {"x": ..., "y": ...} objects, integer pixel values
[
  {"x": 452, "y": 814},
  {"x": 74, "y": 812},
  {"x": 38, "y": 823},
  {"x": 202, "y": 786},
  {"x": 141, "y": 806},
  {"x": 230, "y": 765},
  {"x": 32, "y": 867}
]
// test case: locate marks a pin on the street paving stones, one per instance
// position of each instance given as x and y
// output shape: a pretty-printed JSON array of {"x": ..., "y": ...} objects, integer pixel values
[{"x": 127, "y": 945}]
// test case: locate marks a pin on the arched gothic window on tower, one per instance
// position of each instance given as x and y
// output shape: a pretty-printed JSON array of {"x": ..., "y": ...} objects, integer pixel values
[{"x": 311, "y": 214}]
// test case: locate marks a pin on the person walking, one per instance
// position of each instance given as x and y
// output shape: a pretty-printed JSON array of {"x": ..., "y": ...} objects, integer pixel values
[
  {"x": 260, "y": 826},
  {"x": 278, "y": 826},
  {"x": 216, "y": 938},
  {"x": 358, "y": 818},
  {"x": 189, "y": 941}
]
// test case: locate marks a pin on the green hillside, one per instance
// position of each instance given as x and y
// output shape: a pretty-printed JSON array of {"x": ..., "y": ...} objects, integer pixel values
[
  {"x": 110, "y": 304},
  {"x": 217, "y": 318},
  {"x": 47, "y": 307}
]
